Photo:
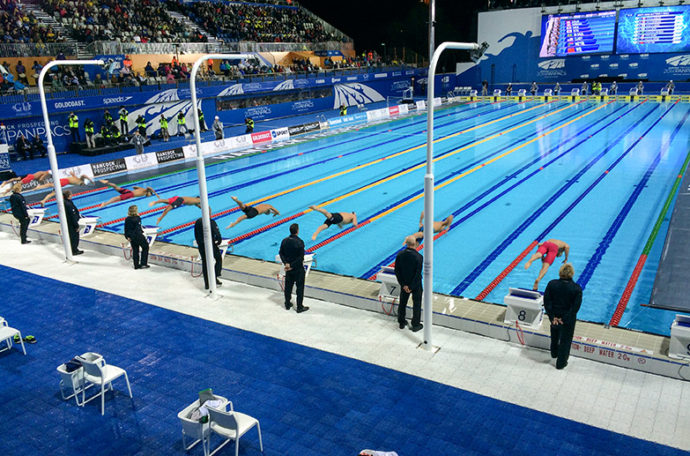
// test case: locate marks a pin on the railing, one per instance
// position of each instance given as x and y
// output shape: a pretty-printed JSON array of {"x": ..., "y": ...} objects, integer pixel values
[
  {"x": 31, "y": 93},
  {"x": 36, "y": 49}
]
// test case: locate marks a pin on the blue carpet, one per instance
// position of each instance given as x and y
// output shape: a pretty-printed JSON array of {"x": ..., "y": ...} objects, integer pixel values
[{"x": 309, "y": 402}]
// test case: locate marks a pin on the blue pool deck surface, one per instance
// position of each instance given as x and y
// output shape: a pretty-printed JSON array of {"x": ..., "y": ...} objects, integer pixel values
[
  {"x": 590, "y": 173},
  {"x": 331, "y": 381}
]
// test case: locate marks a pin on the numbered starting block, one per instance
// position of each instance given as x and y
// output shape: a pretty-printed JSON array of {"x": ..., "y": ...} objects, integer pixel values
[
  {"x": 87, "y": 225},
  {"x": 35, "y": 216},
  {"x": 524, "y": 307},
  {"x": 679, "y": 347},
  {"x": 309, "y": 261},
  {"x": 390, "y": 288},
  {"x": 151, "y": 233}
]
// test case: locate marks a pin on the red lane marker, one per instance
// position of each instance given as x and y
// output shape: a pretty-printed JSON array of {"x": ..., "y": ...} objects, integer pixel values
[
  {"x": 418, "y": 248},
  {"x": 121, "y": 219},
  {"x": 76, "y": 194},
  {"x": 87, "y": 208},
  {"x": 336, "y": 236},
  {"x": 622, "y": 304},
  {"x": 185, "y": 225},
  {"x": 505, "y": 272},
  {"x": 267, "y": 227}
]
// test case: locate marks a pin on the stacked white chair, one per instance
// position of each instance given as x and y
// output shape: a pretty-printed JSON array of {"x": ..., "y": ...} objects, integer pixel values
[
  {"x": 194, "y": 429},
  {"x": 7, "y": 334},
  {"x": 98, "y": 373}
]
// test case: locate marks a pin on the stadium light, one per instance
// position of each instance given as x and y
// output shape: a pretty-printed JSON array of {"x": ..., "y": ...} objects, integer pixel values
[
  {"x": 52, "y": 158},
  {"x": 476, "y": 49},
  {"x": 201, "y": 166}
]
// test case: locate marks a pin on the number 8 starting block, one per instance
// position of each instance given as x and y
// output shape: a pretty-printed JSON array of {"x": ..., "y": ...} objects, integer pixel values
[{"x": 526, "y": 307}]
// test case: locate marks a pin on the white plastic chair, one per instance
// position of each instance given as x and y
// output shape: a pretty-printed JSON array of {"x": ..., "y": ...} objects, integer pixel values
[
  {"x": 196, "y": 430},
  {"x": 7, "y": 335},
  {"x": 99, "y": 373},
  {"x": 232, "y": 426}
]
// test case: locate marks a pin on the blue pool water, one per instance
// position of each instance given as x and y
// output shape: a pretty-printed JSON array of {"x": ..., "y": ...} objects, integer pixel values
[{"x": 594, "y": 175}]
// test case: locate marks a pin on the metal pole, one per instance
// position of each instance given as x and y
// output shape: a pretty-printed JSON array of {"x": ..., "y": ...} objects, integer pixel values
[
  {"x": 52, "y": 158},
  {"x": 429, "y": 187},
  {"x": 432, "y": 27},
  {"x": 201, "y": 167}
]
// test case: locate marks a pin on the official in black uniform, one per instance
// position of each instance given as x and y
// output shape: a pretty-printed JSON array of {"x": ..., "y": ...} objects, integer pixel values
[
  {"x": 562, "y": 300},
  {"x": 217, "y": 239},
  {"x": 135, "y": 235},
  {"x": 292, "y": 255},
  {"x": 408, "y": 271},
  {"x": 19, "y": 211},
  {"x": 73, "y": 217}
]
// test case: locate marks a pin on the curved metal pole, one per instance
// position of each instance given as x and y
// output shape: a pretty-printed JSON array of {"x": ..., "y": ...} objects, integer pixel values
[
  {"x": 52, "y": 158},
  {"x": 429, "y": 188},
  {"x": 201, "y": 166}
]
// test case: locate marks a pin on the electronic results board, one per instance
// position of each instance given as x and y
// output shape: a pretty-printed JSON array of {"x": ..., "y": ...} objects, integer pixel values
[
  {"x": 577, "y": 33},
  {"x": 656, "y": 29}
]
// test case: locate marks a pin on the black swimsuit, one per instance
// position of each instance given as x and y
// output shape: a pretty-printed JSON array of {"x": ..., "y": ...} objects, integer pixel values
[
  {"x": 178, "y": 202},
  {"x": 334, "y": 219},
  {"x": 250, "y": 211}
]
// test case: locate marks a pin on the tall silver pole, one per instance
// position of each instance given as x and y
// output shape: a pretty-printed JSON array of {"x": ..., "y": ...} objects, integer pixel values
[
  {"x": 201, "y": 167},
  {"x": 429, "y": 187},
  {"x": 52, "y": 158},
  {"x": 432, "y": 29}
]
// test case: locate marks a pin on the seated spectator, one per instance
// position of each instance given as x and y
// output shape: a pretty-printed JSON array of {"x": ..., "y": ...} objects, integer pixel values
[
  {"x": 21, "y": 72},
  {"x": 150, "y": 72}
]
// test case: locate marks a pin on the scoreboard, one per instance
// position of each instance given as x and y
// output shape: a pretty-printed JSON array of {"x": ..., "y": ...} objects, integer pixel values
[
  {"x": 577, "y": 33},
  {"x": 657, "y": 29}
]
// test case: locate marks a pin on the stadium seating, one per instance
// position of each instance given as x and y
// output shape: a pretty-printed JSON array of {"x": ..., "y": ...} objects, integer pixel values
[{"x": 20, "y": 26}]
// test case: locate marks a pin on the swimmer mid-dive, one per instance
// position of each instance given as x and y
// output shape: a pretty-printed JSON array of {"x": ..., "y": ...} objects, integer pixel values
[
  {"x": 252, "y": 211},
  {"x": 548, "y": 251},
  {"x": 72, "y": 179},
  {"x": 336, "y": 218},
  {"x": 174, "y": 203},
  {"x": 38, "y": 176},
  {"x": 126, "y": 194},
  {"x": 438, "y": 226}
]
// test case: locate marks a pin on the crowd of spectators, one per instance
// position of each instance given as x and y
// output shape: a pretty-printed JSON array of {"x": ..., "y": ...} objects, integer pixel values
[
  {"x": 140, "y": 21},
  {"x": 20, "y": 26},
  {"x": 247, "y": 22}
]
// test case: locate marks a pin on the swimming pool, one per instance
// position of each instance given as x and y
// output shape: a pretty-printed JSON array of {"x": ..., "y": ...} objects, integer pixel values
[{"x": 592, "y": 174}]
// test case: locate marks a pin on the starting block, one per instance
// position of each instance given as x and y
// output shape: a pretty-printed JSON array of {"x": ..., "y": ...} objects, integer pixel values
[
  {"x": 36, "y": 216},
  {"x": 525, "y": 307},
  {"x": 679, "y": 347},
  {"x": 223, "y": 247},
  {"x": 390, "y": 288},
  {"x": 151, "y": 232},
  {"x": 87, "y": 226},
  {"x": 308, "y": 262}
]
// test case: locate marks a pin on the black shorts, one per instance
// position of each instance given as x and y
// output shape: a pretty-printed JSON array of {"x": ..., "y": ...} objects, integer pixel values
[
  {"x": 334, "y": 219},
  {"x": 177, "y": 203},
  {"x": 250, "y": 211}
]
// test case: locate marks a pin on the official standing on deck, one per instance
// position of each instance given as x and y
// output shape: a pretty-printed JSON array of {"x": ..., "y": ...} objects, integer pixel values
[
  {"x": 137, "y": 239},
  {"x": 408, "y": 271},
  {"x": 292, "y": 255},
  {"x": 562, "y": 300},
  {"x": 73, "y": 217},
  {"x": 19, "y": 211},
  {"x": 216, "y": 240}
]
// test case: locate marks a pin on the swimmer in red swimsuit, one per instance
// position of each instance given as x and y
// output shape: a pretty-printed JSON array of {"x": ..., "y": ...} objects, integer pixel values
[
  {"x": 252, "y": 211},
  {"x": 438, "y": 226},
  {"x": 548, "y": 251},
  {"x": 174, "y": 203},
  {"x": 126, "y": 194},
  {"x": 38, "y": 176},
  {"x": 336, "y": 218},
  {"x": 72, "y": 179}
]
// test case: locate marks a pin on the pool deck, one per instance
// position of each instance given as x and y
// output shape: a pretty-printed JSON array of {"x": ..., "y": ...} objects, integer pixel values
[{"x": 621, "y": 347}]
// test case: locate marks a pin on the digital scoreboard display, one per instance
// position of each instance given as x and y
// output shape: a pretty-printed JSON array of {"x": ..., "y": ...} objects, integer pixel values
[
  {"x": 577, "y": 33},
  {"x": 657, "y": 29}
]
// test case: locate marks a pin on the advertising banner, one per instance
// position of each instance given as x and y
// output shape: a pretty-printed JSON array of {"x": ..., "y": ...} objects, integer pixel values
[
  {"x": 109, "y": 167},
  {"x": 164, "y": 156},
  {"x": 280, "y": 134},
  {"x": 261, "y": 136},
  {"x": 141, "y": 161}
]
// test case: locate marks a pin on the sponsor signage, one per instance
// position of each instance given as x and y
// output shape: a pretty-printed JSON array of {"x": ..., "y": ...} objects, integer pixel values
[
  {"x": 394, "y": 111},
  {"x": 280, "y": 134},
  {"x": 261, "y": 136},
  {"x": 164, "y": 156},
  {"x": 141, "y": 161},
  {"x": 109, "y": 167},
  {"x": 312, "y": 126},
  {"x": 296, "y": 130}
]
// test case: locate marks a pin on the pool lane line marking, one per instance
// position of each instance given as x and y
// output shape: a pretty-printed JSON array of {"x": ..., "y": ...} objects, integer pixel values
[
  {"x": 419, "y": 195},
  {"x": 632, "y": 282},
  {"x": 358, "y": 138},
  {"x": 279, "y": 222},
  {"x": 605, "y": 243},
  {"x": 221, "y": 191},
  {"x": 390, "y": 259},
  {"x": 382, "y": 159},
  {"x": 535, "y": 214}
]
